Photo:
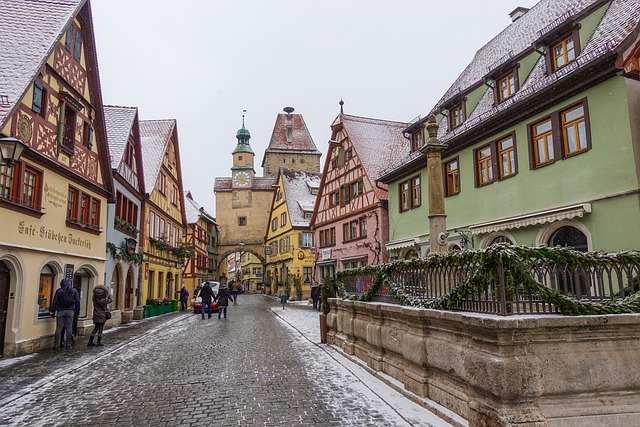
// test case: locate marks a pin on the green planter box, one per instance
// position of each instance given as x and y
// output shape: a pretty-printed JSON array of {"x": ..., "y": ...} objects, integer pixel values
[
  {"x": 148, "y": 311},
  {"x": 174, "y": 305}
]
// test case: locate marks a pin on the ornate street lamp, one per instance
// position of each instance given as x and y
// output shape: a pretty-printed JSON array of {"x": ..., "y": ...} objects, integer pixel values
[{"x": 11, "y": 149}]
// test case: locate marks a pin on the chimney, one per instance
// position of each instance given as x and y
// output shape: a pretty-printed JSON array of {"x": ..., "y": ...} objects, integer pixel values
[{"x": 517, "y": 13}]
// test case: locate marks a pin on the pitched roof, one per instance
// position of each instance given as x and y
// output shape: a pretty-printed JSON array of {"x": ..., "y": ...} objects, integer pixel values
[
  {"x": 300, "y": 137},
  {"x": 118, "y": 121},
  {"x": 28, "y": 35},
  {"x": 154, "y": 137},
  {"x": 194, "y": 211},
  {"x": 619, "y": 21},
  {"x": 297, "y": 187},
  {"x": 377, "y": 143}
]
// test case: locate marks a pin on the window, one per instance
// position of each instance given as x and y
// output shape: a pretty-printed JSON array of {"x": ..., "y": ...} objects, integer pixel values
[
  {"x": 501, "y": 239},
  {"x": 67, "y": 130},
  {"x": 543, "y": 142},
  {"x": 334, "y": 163},
  {"x": 404, "y": 196},
  {"x": 327, "y": 237},
  {"x": 21, "y": 184},
  {"x": 83, "y": 209},
  {"x": 335, "y": 198},
  {"x": 242, "y": 221},
  {"x": 456, "y": 115},
  {"x": 345, "y": 194},
  {"x": 574, "y": 130},
  {"x": 507, "y": 86},
  {"x": 417, "y": 140},
  {"x": 73, "y": 42},
  {"x": 484, "y": 165},
  {"x": 174, "y": 195},
  {"x": 415, "y": 192},
  {"x": 506, "y": 157},
  {"x": 278, "y": 195},
  {"x": 283, "y": 219},
  {"x": 563, "y": 134},
  {"x": 126, "y": 210},
  {"x": 306, "y": 274},
  {"x": 363, "y": 227},
  {"x": 39, "y": 98},
  {"x": 452, "y": 181},
  {"x": 46, "y": 290},
  {"x": 129, "y": 154},
  {"x": 163, "y": 184},
  {"x": 563, "y": 53},
  {"x": 307, "y": 214},
  {"x": 274, "y": 224},
  {"x": 348, "y": 153},
  {"x": 305, "y": 240},
  {"x": 87, "y": 135},
  {"x": 357, "y": 188}
]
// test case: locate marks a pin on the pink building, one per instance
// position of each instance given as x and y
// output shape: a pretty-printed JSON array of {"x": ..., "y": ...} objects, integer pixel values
[{"x": 350, "y": 218}]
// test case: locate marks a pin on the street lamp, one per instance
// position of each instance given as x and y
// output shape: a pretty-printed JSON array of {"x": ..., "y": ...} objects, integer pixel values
[{"x": 11, "y": 149}]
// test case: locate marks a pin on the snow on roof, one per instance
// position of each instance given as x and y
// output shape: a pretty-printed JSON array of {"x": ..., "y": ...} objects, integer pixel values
[
  {"x": 154, "y": 137},
  {"x": 300, "y": 137},
  {"x": 29, "y": 32},
  {"x": 118, "y": 122},
  {"x": 378, "y": 143},
  {"x": 297, "y": 187},
  {"x": 195, "y": 211},
  {"x": 223, "y": 183}
]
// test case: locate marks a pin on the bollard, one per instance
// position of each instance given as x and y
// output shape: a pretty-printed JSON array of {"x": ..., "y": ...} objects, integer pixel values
[{"x": 283, "y": 300}]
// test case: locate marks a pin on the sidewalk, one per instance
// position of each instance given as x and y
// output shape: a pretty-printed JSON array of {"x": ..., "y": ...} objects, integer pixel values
[{"x": 417, "y": 410}]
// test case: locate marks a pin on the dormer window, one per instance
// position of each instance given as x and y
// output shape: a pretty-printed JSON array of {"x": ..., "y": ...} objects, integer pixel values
[
  {"x": 507, "y": 86},
  {"x": 417, "y": 140},
  {"x": 563, "y": 53},
  {"x": 456, "y": 115},
  {"x": 73, "y": 42}
]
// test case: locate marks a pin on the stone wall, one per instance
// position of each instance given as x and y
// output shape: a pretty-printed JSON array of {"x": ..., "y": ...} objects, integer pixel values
[{"x": 501, "y": 371}]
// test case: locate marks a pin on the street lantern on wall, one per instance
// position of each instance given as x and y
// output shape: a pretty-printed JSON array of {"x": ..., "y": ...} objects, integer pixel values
[{"x": 11, "y": 149}]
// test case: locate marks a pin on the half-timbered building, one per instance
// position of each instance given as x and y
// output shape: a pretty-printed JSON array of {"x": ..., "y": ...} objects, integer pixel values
[
  {"x": 350, "y": 218},
  {"x": 53, "y": 199},
  {"x": 201, "y": 237},
  {"x": 123, "y": 227},
  {"x": 163, "y": 213},
  {"x": 289, "y": 240}
]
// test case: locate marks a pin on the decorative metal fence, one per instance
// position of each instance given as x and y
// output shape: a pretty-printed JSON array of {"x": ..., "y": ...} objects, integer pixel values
[{"x": 503, "y": 280}]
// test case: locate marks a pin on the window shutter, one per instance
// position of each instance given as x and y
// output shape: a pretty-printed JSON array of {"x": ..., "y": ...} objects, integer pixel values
[
  {"x": 67, "y": 42},
  {"x": 37, "y": 97},
  {"x": 76, "y": 50},
  {"x": 61, "y": 124}
]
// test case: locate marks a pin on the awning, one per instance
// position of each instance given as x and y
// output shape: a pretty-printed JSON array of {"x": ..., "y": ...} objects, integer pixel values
[
  {"x": 351, "y": 258},
  {"x": 552, "y": 215},
  {"x": 400, "y": 244},
  {"x": 327, "y": 262}
]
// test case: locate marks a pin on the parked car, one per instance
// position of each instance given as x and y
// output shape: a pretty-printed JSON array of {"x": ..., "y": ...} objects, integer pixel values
[{"x": 197, "y": 301}]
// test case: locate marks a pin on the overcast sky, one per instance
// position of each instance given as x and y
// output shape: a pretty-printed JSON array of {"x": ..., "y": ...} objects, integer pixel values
[{"x": 204, "y": 61}]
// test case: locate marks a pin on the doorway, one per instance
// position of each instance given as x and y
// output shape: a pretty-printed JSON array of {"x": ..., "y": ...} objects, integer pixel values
[
  {"x": 129, "y": 290},
  {"x": 81, "y": 281},
  {"x": 5, "y": 283}
]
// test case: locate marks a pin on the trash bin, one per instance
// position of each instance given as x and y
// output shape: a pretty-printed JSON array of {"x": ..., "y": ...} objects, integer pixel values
[{"x": 174, "y": 305}]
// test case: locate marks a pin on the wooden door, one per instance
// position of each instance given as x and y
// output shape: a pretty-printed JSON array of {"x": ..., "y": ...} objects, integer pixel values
[{"x": 5, "y": 283}]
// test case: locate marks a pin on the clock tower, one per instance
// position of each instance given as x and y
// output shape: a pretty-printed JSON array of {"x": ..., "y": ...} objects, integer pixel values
[{"x": 242, "y": 172}]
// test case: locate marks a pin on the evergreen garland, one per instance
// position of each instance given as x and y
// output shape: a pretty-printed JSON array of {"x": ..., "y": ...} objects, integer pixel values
[{"x": 515, "y": 261}]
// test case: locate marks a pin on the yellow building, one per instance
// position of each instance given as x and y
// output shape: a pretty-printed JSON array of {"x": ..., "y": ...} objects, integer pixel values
[
  {"x": 53, "y": 201},
  {"x": 201, "y": 236},
  {"x": 163, "y": 214},
  {"x": 289, "y": 238}
]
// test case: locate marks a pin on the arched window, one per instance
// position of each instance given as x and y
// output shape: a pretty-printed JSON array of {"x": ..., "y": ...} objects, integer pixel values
[
  {"x": 569, "y": 237},
  {"x": 46, "y": 290},
  {"x": 412, "y": 254},
  {"x": 501, "y": 239}
]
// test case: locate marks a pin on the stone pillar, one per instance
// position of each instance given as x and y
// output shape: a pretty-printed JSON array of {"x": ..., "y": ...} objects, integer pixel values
[{"x": 437, "y": 218}]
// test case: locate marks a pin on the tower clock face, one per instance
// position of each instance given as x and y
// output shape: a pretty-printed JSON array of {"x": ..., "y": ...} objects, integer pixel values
[{"x": 242, "y": 179}]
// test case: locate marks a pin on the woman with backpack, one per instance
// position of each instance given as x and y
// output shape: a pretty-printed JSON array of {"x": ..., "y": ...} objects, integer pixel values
[
  {"x": 101, "y": 299},
  {"x": 66, "y": 302}
]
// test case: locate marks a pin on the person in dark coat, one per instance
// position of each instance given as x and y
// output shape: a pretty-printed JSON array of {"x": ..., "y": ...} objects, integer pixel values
[
  {"x": 101, "y": 299},
  {"x": 223, "y": 300},
  {"x": 206, "y": 293},
  {"x": 315, "y": 295},
  {"x": 66, "y": 308}
]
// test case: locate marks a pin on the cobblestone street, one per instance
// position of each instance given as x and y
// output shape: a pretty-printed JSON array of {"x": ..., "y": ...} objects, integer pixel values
[{"x": 249, "y": 369}]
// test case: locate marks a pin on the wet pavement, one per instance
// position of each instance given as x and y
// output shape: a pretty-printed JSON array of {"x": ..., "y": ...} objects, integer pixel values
[{"x": 258, "y": 367}]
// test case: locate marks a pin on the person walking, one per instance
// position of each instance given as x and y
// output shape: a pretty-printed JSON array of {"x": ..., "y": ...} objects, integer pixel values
[
  {"x": 223, "y": 300},
  {"x": 206, "y": 293},
  {"x": 66, "y": 302},
  {"x": 101, "y": 299},
  {"x": 235, "y": 290},
  {"x": 184, "y": 294},
  {"x": 315, "y": 295}
]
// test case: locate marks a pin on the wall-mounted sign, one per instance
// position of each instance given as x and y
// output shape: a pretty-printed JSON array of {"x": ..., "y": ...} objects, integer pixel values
[
  {"x": 68, "y": 272},
  {"x": 326, "y": 254}
]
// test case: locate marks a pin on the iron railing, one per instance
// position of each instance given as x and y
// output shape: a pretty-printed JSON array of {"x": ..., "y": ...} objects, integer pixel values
[{"x": 501, "y": 293}]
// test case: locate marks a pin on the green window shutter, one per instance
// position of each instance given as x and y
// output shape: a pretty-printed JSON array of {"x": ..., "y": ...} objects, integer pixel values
[
  {"x": 61, "y": 124},
  {"x": 69, "y": 39},
  {"x": 37, "y": 97}
]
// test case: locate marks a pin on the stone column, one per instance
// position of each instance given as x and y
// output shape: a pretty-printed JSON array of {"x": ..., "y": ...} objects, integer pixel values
[{"x": 437, "y": 218}]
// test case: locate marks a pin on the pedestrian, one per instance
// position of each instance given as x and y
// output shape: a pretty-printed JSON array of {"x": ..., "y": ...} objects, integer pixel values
[
  {"x": 223, "y": 300},
  {"x": 66, "y": 302},
  {"x": 235, "y": 290},
  {"x": 184, "y": 294},
  {"x": 206, "y": 293},
  {"x": 315, "y": 294},
  {"x": 101, "y": 313}
]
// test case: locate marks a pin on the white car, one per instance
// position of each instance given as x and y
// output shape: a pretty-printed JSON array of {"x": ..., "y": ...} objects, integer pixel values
[{"x": 197, "y": 301}]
